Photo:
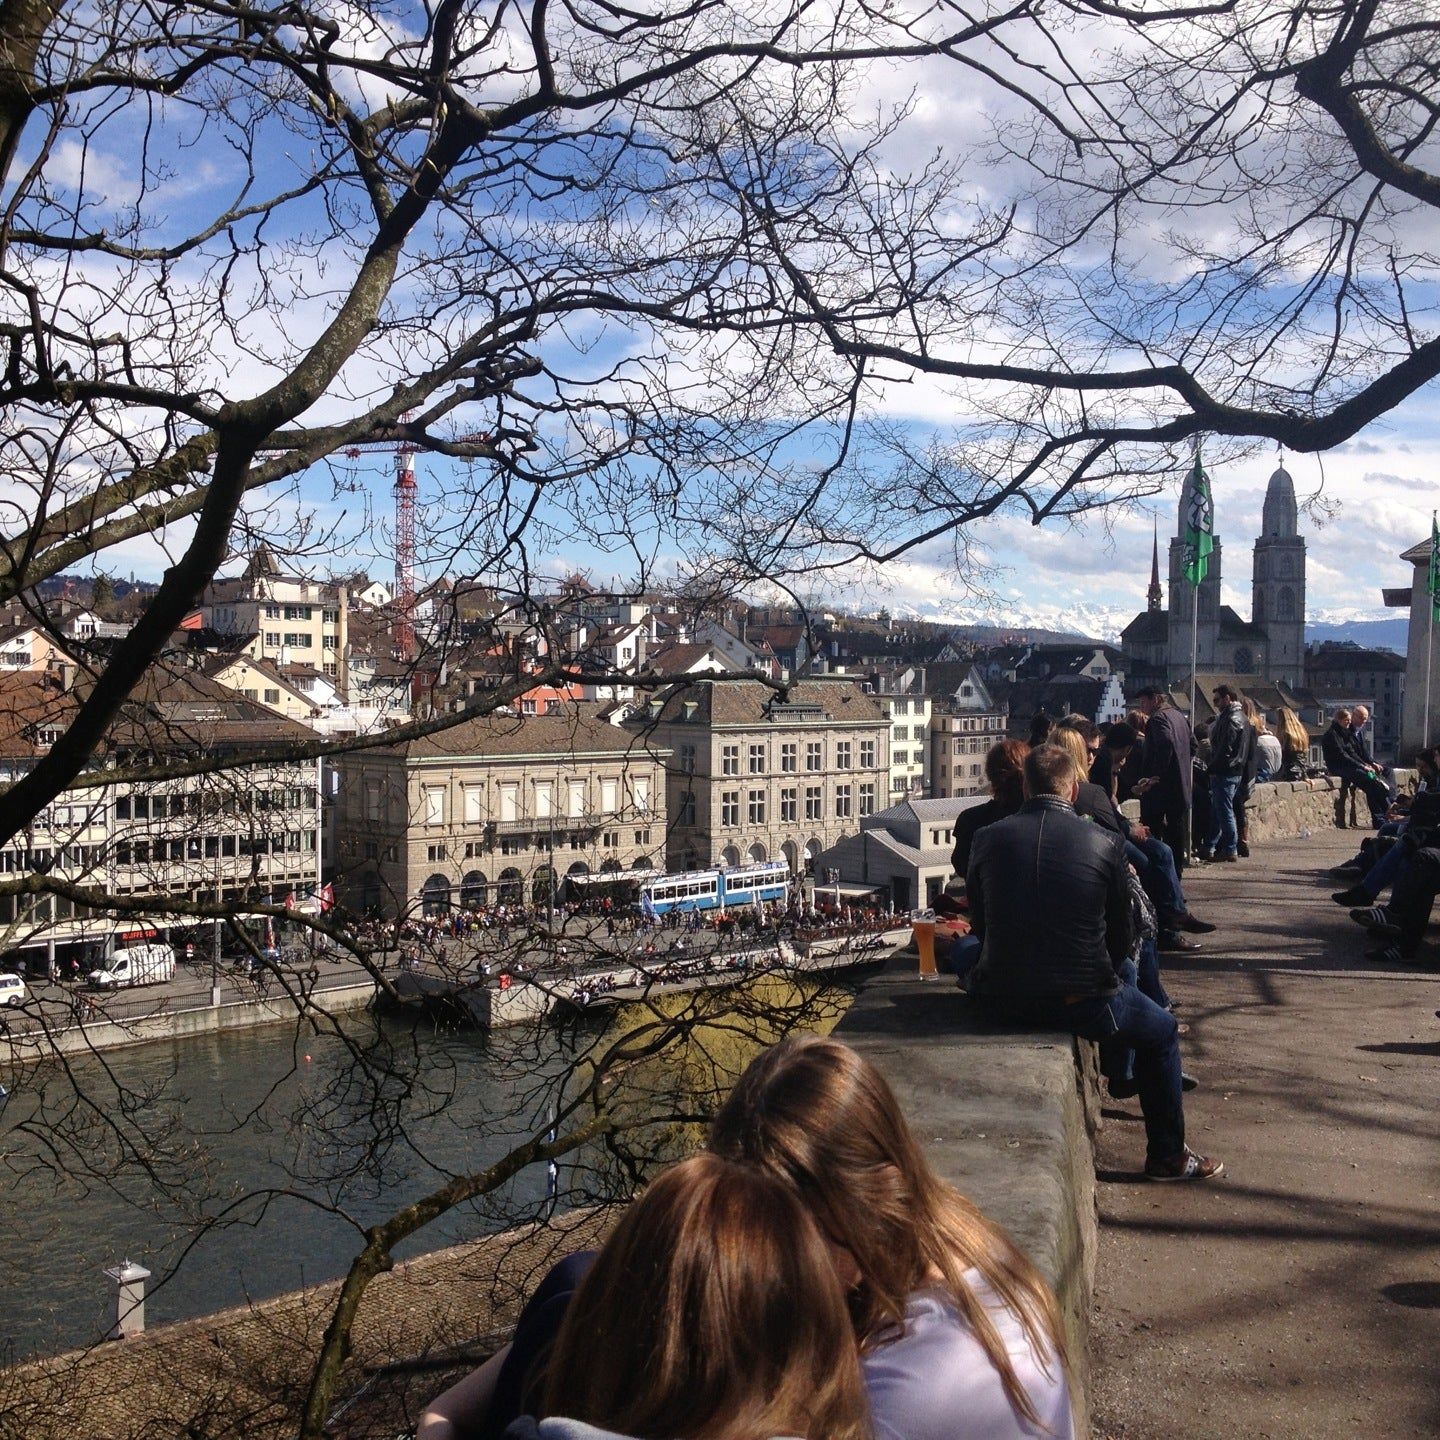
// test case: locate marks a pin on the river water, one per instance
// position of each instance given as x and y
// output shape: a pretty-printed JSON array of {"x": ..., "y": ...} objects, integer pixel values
[{"x": 237, "y": 1113}]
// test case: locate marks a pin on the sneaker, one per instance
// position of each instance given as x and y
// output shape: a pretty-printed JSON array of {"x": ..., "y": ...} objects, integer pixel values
[
  {"x": 1375, "y": 918},
  {"x": 1388, "y": 955},
  {"x": 1356, "y": 895},
  {"x": 1188, "y": 1081},
  {"x": 1122, "y": 1089},
  {"x": 1196, "y": 927},
  {"x": 1228, "y": 859},
  {"x": 1187, "y": 1165},
  {"x": 1243, "y": 850}
]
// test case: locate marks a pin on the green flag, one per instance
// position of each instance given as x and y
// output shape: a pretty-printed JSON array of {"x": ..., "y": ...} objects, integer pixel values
[
  {"x": 1432, "y": 583},
  {"x": 1200, "y": 526}
]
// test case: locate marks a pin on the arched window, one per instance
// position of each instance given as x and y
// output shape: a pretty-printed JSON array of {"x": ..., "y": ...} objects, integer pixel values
[
  {"x": 512, "y": 887},
  {"x": 730, "y": 856},
  {"x": 542, "y": 886},
  {"x": 1244, "y": 661},
  {"x": 1259, "y": 607},
  {"x": 1287, "y": 566},
  {"x": 791, "y": 851},
  {"x": 1285, "y": 604},
  {"x": 472, "y": 890},
  {"x": 758, "y": 855},
  {"x": 435, "y": 896}
]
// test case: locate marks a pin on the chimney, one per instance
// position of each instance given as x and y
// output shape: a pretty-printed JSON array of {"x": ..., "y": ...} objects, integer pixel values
[{"x": 129, "y": 1279}]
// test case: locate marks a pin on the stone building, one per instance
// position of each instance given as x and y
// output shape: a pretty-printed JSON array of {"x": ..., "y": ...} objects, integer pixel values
[
  {"x": 1269, "y": 646},
  {"x": 1339, "y": 672},
  {"x": 497, "y": 809},
  {"x": 754, "y": 777},
  {"x": 1418, "y": 719}
]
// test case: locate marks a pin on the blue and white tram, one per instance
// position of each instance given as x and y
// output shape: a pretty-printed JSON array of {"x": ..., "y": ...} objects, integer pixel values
[{"x": 718, "y": 889}]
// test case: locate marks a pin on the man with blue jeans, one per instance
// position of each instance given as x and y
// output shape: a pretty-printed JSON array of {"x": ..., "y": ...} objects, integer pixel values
[
  {"x": 1230, "y": 741},
  {"x": 1050, "y": 906}
]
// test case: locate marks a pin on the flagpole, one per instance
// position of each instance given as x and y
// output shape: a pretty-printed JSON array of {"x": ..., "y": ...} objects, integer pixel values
[
  {"x": 1430, "y": 633},
  {"x": 1194, "y": 681}
]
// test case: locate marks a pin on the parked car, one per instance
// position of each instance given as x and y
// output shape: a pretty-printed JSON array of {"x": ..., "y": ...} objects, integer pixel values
[{"x": 12, "y": 989}]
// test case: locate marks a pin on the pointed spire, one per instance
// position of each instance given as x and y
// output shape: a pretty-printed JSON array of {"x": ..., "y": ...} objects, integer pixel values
[{"x": 1154, "y": 596}]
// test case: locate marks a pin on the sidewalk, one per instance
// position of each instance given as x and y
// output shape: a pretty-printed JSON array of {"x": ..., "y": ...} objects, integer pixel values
[{"x": 1299, "y": 1295}]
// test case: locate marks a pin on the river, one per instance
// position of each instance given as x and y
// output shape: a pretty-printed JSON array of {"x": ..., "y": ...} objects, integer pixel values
[{"x": 247, "y": 1110}]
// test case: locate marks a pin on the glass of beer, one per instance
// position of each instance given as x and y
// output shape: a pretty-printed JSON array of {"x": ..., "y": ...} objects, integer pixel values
[{"x": 922, "y": 927}]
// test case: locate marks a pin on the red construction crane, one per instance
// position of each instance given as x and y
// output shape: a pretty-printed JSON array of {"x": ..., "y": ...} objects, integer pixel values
[{"x": 404, "y": 451}]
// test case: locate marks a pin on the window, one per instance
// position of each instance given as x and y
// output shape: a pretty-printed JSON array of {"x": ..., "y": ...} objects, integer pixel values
[
  {"x": 297, "y": 639},
  {"x": 272, "y": 612},
  {"x": 272, "y": 697},
  {"x": 842, "y": 802},
  {"x": 730, "y": 760},
  {"x": 843, "y": 752},
  {"x": 789, "y": 751},
  {"x": 756, "y": 807},
  {"x": 730, "y": 808},
  {"x": 640, "y": 789},
  {"x": 642, "y": 837},
  {"x": 372, "y": 850},
  {"x": 510, "y": 801},
  {"x": 611, "y": 840},
  {"x": 686, "y": 757},
  {"x": 433, "y": 805},
  {"x": 528, "y": 707},
  {"x": 544, "y": 799},
  {"x": 331, "y": 616},
  {"x": 814, "y": 804},
  {"x": 577, "y": 798},
  {"x": 686, "y": 814},
  {"x": 474, "y": 796},
  {"x": 272, "y": 639},
  {"x": 609, "y": 796},
  {"x": 331, "y": 668},
  {"x": 789, "y": 809},
  {"x": 757, "y": 759},
  {"x": 328, "y": 643},
  {"x": 122, "y": 808},
  {"x": 867, "y": 797},
  {"x": 435, "y": 852},
  {"x": 297, "y": 612},
  {"x": 814, "y": 755}
]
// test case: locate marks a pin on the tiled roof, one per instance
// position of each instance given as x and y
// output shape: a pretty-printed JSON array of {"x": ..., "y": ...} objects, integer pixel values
[
  {"x": 747, "y": 702},
  {"x": 575, "y": 730}
]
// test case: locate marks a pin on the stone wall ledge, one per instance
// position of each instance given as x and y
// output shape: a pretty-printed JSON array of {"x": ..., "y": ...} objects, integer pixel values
[{"x": 1006, "y": 1115}]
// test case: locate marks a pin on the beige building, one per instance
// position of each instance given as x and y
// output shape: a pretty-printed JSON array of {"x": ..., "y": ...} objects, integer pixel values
[
  {"x": 287, "y": 619},
  {"x": 753, "y": 777},
  {"x": 497, "y": 810},
  {"x": 963, "y": 727}
]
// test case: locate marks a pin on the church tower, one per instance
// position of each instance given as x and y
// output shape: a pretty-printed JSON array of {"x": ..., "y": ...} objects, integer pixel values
[
  {"x": 1155, "y": 596},
  {"x": 1279, "y": 583},
  {"x": 1183, "y": 596}
]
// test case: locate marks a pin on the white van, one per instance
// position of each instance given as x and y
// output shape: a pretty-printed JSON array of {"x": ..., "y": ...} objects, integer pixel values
[
  {"x": 12, "y": 989},
  {"x": 136, "y": 965}
]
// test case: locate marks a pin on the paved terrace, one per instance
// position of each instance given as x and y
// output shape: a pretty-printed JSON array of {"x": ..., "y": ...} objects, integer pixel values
[{"x": 1299, "y": 1295}]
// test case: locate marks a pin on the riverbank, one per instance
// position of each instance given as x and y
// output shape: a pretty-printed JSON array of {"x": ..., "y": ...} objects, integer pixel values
[{"x": 166, "y": 1024}]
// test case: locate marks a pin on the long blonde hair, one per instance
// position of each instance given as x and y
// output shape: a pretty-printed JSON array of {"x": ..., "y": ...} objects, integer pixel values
[
  {"x": 1072, "y": 742},
  {"x": 820, "y": 1115},
  {"x": 1292, "y": 732},
  {"x": 713, "y": 1312}
]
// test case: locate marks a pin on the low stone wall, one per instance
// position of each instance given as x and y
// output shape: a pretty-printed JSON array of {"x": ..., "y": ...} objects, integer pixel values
[
  {"x": 1007, "y": 1116},
  {"x": 1290, "y": 807},
  {"x": 97, "y": 1035}
]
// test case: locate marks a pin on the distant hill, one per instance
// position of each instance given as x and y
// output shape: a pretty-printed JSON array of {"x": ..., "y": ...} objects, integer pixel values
[{"x": 1373, "y": 634}]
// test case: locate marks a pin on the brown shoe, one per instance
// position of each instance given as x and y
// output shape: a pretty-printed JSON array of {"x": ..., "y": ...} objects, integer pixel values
[{"x": 1187, "y": 1165}]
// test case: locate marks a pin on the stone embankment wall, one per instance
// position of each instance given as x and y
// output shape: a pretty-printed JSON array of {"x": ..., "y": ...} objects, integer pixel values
[{"x": 1282, "y": 808}]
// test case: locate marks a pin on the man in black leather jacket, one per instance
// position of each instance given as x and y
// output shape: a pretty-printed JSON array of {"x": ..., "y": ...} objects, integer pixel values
[{"x": 1050, "y": 904}]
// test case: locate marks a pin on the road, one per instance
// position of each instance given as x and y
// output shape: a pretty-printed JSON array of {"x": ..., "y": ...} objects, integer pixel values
[{"x": 1299, "y": 1295}]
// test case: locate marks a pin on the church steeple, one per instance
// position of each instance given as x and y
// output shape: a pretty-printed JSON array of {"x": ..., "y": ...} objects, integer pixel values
[{"x": 1154, "y": 596}]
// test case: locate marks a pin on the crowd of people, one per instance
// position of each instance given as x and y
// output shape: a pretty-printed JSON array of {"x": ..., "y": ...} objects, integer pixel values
[{"x": 806, "y": 1275}]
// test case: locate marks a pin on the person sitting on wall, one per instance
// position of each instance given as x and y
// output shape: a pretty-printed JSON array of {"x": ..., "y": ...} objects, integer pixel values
[
  {"x": 1050, "y": 903},
  {"x": 1345, "y": 759}
]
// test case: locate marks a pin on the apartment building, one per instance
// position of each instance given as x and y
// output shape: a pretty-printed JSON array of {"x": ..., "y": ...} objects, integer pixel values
[
  {"x": 909, "y": 717},
  {"x": 757, "y": 777},
  {"x": 248, "y": 834},
  {"x": 497, "y": 809},
  {"x": 285, "y": 618},
  {"x": 964, "y": 724}
]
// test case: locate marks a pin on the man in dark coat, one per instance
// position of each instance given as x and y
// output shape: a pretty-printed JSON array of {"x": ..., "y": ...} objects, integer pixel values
[
  {"x": 1050, "y": 906},
  {"x": 1166, "y": 773},
  {"x": 1345, "y": 757}
]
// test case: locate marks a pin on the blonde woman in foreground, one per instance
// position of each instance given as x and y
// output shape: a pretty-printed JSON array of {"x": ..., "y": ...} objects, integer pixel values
[{"x": 959, "y": 1336}]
